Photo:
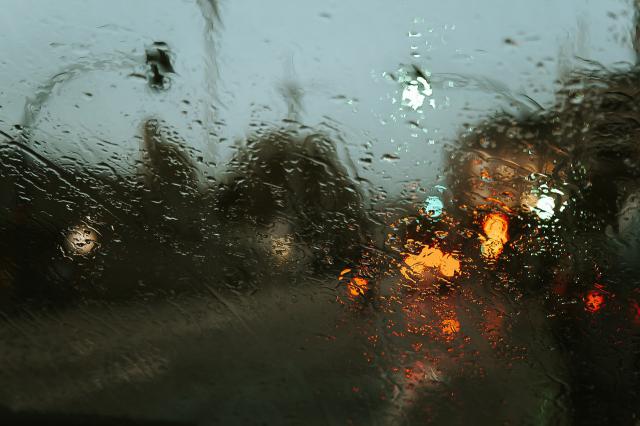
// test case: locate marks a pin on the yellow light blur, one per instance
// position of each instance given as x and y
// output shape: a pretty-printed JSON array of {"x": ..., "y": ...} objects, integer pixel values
[
  {"x": 450, "y": 327},
  {"x": 416, "y": 265},
  {"x": 496, "y": 230}
]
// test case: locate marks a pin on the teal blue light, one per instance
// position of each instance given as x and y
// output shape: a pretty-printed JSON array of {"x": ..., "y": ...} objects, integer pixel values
[{"x": 433, "y": 206}]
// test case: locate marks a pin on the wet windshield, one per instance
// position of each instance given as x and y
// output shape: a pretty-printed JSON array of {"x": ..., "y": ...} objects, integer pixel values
[{"x": 364, "y": 212}]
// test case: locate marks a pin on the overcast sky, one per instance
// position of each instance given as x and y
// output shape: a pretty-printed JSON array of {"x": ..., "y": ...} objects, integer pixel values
[{"x": 479, "y": 54}]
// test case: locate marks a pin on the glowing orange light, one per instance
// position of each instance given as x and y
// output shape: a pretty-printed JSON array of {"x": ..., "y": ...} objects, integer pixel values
[
  {"x": 344, "y": 272},
  {"x": 496, "y": 230},
  {"x": 593, "y": 301},
  {"x": 450, "y": 327},
  {"x": 356, "y": 286},
  {"x": 496, "y": 227},
  {"x": 429, "y": 257}
]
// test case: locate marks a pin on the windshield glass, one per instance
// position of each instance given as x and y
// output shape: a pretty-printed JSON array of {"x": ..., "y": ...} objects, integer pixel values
[{"x": 364, "y": 212}]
